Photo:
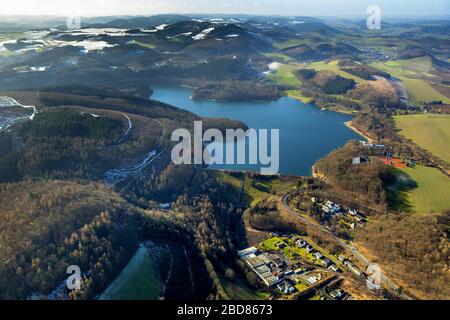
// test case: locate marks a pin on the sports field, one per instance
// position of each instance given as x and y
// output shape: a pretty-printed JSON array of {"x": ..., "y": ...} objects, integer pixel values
[
  {"x": 136, "y": 281},
  {"x": 429, "y": 131},
  {"x": 422, "y": 190}
]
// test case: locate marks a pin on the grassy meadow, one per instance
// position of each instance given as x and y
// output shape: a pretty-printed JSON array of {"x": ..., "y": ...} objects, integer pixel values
[
  {"x": 137, "y": 280},
  {"x": 430, "y": 132},
  {"x": 421, "y": 190},
  {"x": 416, "y": 76}
]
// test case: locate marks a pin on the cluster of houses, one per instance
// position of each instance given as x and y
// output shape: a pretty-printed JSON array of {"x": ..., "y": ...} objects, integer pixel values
[
  {"x": 274, "y": 269},
  {"x": 332, "y": 209},
  {"x": 318, "y": 255}
]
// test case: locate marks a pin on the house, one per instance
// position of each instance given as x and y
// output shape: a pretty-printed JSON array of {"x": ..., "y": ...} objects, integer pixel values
[
  {"x": 280, "y": 245},
  {"x": 326, "y": 209},
  {"x": 348, "y": 263},
  {"x": 299, "y": 271},
  {"x": 359, "y": 218},
  {"x": 332, "y": 207},
  {"x": 286, "y": 287},
  {"x": 318, "y": 255},
  {"x": 289, "y": 272},
  {"x": 326, "y": 262},
  {"x": 337, "y": 294},
  {"x": 355, "y": 270},
  {"x": 309, "y": 248},
  {"x": 314, "y": 199},
  {"x": 329, "y": 204},
  {"x": 360, "y": 160},
  {"x": 352, "y": 268},
  {"x": 334, "y": 268},
  {"x": 301, "y": 243},
  {"x": 311, "y": 280},
  {"x": 353, "y": 212},
  {"x": 342, "y": 258}
]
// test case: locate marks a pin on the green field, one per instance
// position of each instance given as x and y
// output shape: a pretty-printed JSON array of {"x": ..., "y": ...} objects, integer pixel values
[
  {"x": 137, "y": 281},
  {"x": 415, "y": 75},
  {"x": 421, "y": 190},
  {"x": 284, "y": 75},
  {"x": 430, "y": 132}
]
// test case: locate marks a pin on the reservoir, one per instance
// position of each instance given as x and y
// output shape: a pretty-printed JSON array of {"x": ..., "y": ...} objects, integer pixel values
[{"x": 306, "y": 133}]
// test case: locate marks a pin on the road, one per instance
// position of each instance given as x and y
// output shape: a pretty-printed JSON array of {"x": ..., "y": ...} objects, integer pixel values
[
  {"x": 349, "y": 247},
  {"x": 12, "y": 102},
  {"x": 115, "y": 175},
  {"x": 130, "y": 126}
]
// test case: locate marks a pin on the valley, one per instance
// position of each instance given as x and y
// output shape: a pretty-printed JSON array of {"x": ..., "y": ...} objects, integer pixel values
[{"x": 87, "y": 177}]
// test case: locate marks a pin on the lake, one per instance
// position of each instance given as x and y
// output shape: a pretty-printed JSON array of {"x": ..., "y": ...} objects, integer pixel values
[{"x": 306, "y": 133}]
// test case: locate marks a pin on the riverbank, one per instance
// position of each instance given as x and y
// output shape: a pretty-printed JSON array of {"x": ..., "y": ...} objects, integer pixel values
[{"x": 350, "y": 125}]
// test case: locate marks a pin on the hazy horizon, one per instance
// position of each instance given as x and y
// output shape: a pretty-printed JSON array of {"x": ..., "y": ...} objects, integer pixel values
[{"x": 322, "y": 8}]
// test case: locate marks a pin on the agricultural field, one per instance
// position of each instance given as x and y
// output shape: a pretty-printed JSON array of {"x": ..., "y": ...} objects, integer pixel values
[
  {"x": 430, "y": 132},
  {"x": 421, "y": 190},
  {"x": 416, "y": 76},
  {"x": 137, "y": 280}
]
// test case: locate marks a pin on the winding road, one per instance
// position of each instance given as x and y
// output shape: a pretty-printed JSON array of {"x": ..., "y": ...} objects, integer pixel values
[
  {"x": 12, "y": 103},
  {"x": 349, "y": 247},
  {"x": 130, "y": 126}
]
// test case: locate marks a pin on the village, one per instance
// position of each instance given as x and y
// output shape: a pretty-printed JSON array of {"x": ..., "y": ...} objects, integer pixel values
[{"x": 293, "y": 267}]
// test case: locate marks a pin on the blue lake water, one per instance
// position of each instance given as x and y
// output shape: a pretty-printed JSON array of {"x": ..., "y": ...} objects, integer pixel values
[{"x": 306, "y": 133}]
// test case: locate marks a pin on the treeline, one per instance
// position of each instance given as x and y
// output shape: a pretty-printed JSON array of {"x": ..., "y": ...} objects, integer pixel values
[{"x": 235, "y": 90}]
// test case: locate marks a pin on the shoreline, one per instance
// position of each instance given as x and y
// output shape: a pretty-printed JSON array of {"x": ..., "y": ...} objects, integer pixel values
[{"x": 350, "y": 125}]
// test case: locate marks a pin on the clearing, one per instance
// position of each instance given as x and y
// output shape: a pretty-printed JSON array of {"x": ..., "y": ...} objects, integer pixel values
[
  {"x": 430, "y": 132},
  {"x": 137, "y": 280}
]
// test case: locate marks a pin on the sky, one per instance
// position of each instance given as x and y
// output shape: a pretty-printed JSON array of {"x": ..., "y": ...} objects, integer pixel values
[{"x": 260, "y": 7}]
